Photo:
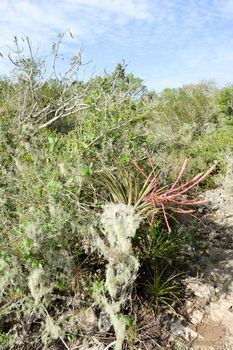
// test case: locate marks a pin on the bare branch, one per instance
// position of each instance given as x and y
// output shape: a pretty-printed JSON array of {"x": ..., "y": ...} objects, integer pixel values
[{"x": 59, "y": 116}]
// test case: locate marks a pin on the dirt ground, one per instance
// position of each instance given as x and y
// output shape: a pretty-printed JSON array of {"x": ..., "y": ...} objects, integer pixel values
[{"x": 211, "y": 307}]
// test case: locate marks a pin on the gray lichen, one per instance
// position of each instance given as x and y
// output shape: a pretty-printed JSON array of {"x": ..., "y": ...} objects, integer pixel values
[{"x": 118, "y": 226}]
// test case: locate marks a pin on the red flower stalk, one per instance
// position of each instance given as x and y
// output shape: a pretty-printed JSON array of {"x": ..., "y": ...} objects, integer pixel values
[{"x": 173, "y": 198}]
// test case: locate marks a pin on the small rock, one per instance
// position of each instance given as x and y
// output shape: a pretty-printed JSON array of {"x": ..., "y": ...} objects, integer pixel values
[
  {"x": 201, "y": 210},
  {"x": 197, "y": 317},
  {"x": 203, "y": 291},
  {"x": 187, "y": 333},
  {"x": 200, "y": 290},
  {"x": 189, "y": 306}
]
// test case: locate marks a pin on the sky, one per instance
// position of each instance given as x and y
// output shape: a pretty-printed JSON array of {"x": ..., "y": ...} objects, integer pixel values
[{"x": 167, "y": 43}]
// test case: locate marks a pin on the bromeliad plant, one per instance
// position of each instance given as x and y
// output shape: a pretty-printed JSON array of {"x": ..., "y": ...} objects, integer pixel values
[
  {"x": 173, "y": 198},
  {"x": 151, "y": 198}
]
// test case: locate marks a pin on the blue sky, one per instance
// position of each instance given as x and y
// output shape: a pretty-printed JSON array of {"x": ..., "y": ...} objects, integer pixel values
[{"x": 167, "y": 43}]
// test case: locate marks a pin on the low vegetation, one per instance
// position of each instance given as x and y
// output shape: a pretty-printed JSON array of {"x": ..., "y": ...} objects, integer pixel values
[{"x": 92, "y": 186}]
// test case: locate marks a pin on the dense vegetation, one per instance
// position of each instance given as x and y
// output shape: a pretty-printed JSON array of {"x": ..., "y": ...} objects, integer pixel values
[{"x": 66, "y": 149}]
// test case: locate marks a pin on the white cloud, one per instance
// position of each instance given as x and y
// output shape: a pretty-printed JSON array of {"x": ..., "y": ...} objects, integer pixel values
[
  {"x": 137, "y": 9},
  {"x": 36, "y": 17},
  {"x": 88, "y": 20}
]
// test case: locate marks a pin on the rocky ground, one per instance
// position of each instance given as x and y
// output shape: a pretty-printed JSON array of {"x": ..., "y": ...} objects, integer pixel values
[{"x": 210, "y": 307}]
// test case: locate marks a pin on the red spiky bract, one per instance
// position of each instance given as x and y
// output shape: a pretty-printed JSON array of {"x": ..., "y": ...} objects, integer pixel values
[{"x": 174, "y": 197}]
